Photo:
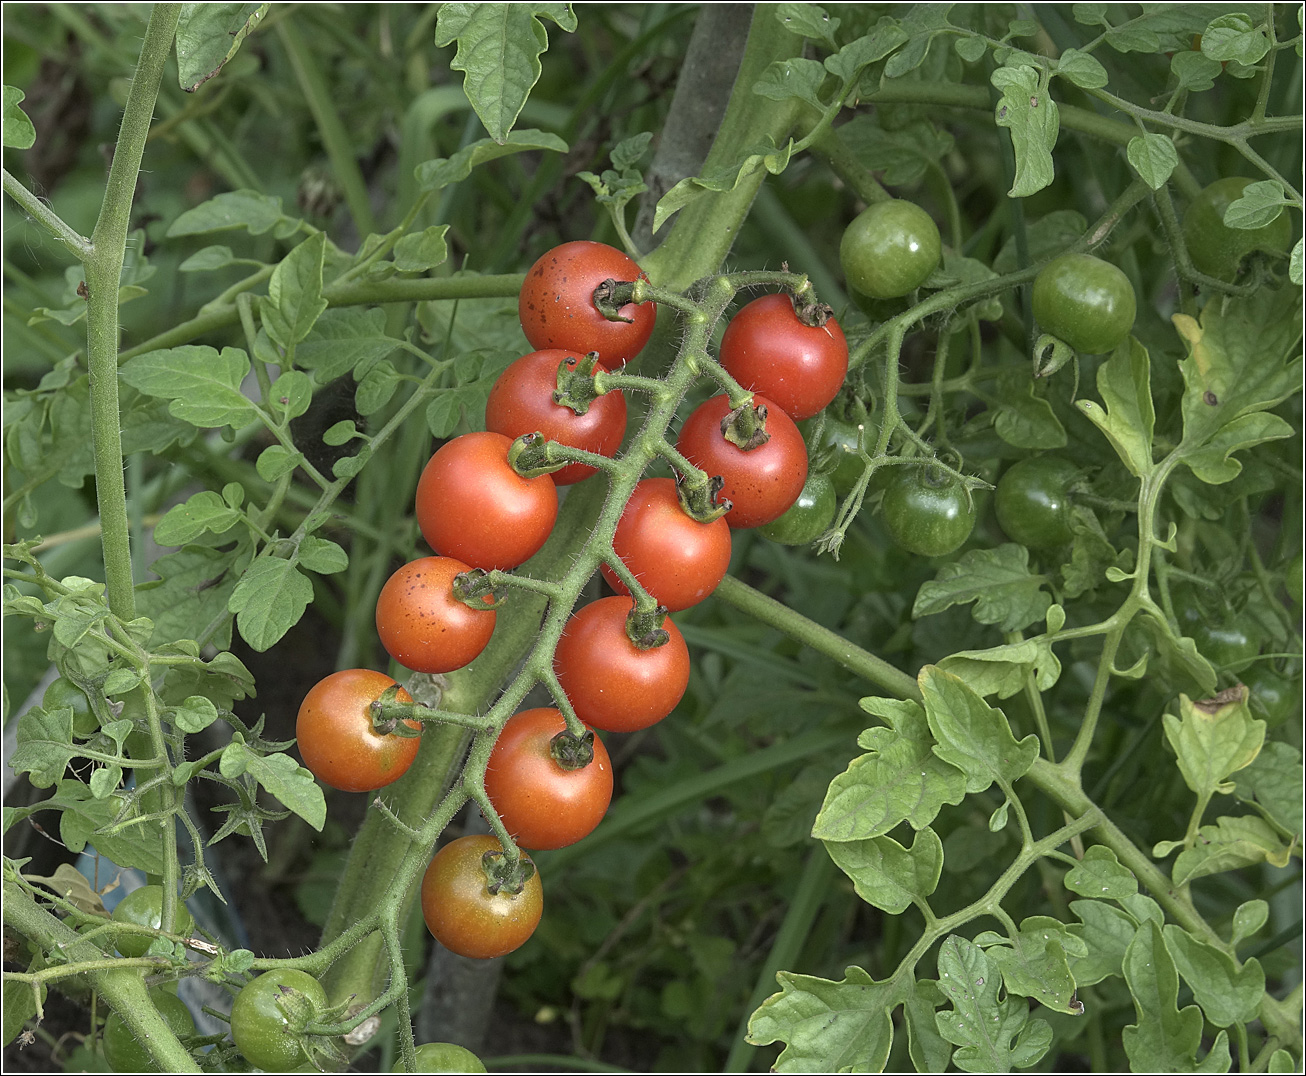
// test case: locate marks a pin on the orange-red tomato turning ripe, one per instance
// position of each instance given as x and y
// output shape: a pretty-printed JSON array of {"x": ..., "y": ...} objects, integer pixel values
[
  {"x": 462, "y": 913},
  {"x": 337, "y": 740},
  {"x": 420, "y": 622}
]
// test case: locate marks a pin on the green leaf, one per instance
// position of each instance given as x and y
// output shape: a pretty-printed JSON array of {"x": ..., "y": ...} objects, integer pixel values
[
  {"x": 1227, "y": 995},
  {"x": 202, "y": 383},
  {"x": 376, "y": 388},
  {"x": 203, "y": 512},
  {"x": 982, "y": 1026},
  {"x": 1154, "y": 158},
  {"x": 1235, "y": 37},
  {"x": 1090, "y": 14},
  {"x": 20, "y": 1000},
  {"x": 341, "y": 433},
  {"x": 1028, "y": 111},
  {"x": 1296, "y": 272},
  {"x": 84, "y": 816},
  {"x": 18, "y": 130},
  {"x": 290, "y": 395},
  {"x": 1193, "y": 71},
  {"x": 322, "y": 556},
  {"x": 342, "y": 339},
  {"x": 437, "y": 174},
  {"x": 208, "y": 36},
  {"x": 1165, "y": 1039},
  {"x": 1082, "y": 68},
  {"x": 269, "y": 600},
  {"x": 900, "y": 779},
  {"x": 1258, "y": 205},
  {"x": 208, "y": 259},
  {"x": 195, "y": 584},
  {"x": 120, "y": 681},
  {"x": 282, "y": 777},
  {"x": 499, "y": 49},
  {"x": 1130, "y": 37},
  {"x": 922, "y": 24},
  {"x": 971, "y": 734},
  {"x": 45, "y": 745},
  {"x": 1248, "y": 919},
  {"x": 904, "y": 156},
  {"x": 1036, "y": 965},
  {"x": 294, "y": 299},
  {"x": 970, "y": 49},
  {"x": 259, "y": 213},
  {"x": 724, "y": 179},
  {"x": 1273, "y": 782},
  {"x": 808, "y": 20},
  {"x": 1212, "y": 739},
  {"x": 1003, "y": 670},
  {"x": 1099, "y": 874},
  {"x": 1124, "y": 383},
  {"x": 1282, "y": 1061},
  {"x": 1024, "y": 419},
  {"x": 797, "y": 77},
  {"x": 885, "y": 874},
  {"x": 195, "y": 714},
  {"x": 1231, "y": 844},
  {"x": 422, "y": 251},
  {"x": 849, "y": 62},
  {"x": 1106, "y": 933},
  {"x": 275, "y": 461},
  {"x": 828, "y": 1026},
  {"x": 929, "y": 1051},
  {"x": 998, "y": 581}
]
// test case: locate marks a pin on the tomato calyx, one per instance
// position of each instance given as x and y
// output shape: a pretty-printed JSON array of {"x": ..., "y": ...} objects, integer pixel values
[
  {"x": 611, "y": 295},
  {"x": 531, "y": 455},
  {"x": 1051, "y": 353},
  {"x": 392, "y": 717},
  {"x": 745, "y": 426},
  {"x": 811, "y": 312},
  {"x": 572, "y": 752},
  {"x": 576, "y": 389},
  {"x": 474, "y": 589},
  {"x": 645, "y": 630},
  {"x": 699, "y": 500},
  {"x": 503, "y": 875}
]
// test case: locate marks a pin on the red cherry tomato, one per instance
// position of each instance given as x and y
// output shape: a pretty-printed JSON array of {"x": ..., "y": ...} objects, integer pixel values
[
  {"x": 767, "y": 349},
  {"x": 612, "y": 684},
  {"x": 762, "y": 482},
  {"x": 675, "y": 558},
  {"x": 542, "y": 804},
  {"x": 462, "y": 913},
  {"x": 420, "y": 622},
  {"x": 557, "y": 310},
  {"x": 336, "y": 737},
  {"x": 522, "y": 402},
  {"x": 472, "y": 506}
]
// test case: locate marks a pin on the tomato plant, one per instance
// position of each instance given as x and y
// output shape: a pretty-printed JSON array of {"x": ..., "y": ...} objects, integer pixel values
[
  {"x": 523, "y": 401},
  {"x": 1084, "y": 301},
  {"x": 421, "y": 622},
  {"x": 268, "y": 1018},
  {"x": 64, "y": 693},
  {"x": 675, "y": 558},
  {"x": 465, "y": 914},
  {"x": 1219, "y": 250},
  {"x": 143, "y": 907},
  {"x": 612, "y": 682},
  {"x": 472, "y": 506},
  {"x": 122, "y": 1049},
  {"x": 808, "y": 517},
  {"x": 767, "y": 347},
  {"x": 926, "y": 511},
  {"x": 557, "y": 308},
  {"x": 761, "y": 481},
  {"x": 543, "y": 788},
  {"x": 445, "y": 1057},
  {"x": 889, "y": 249},
  {"x": 337, "y": 739},
  {"x": 1033, "y": 501}
]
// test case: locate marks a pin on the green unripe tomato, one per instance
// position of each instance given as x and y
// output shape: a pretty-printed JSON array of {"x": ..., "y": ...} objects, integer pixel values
[
  {"x": 65, "y": 694},
  {"x": 1271, "y": 697},
  {"x": 1292, "y": 579},
  {"x": 889, "y": 249},
  {"x": 1084, "y": 301},
  {"x": 1218, "y": 250},
  {"x": 259, "y": 1026},
  {"x": 1032, "y": 501},
  {"x": 444, "y": 1057},
  {"x": 926, "y": 511},
  {"x": 144, "y": 907},
  {"x": 808, "y": 517},
  {"x": 121, "y": 1048}
]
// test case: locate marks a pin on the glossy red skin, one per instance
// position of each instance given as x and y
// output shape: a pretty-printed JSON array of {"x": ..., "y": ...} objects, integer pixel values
[
  {"x": 463, "y": 915},
  {"x": 472, "y": 506},
  {"x": 676, "y": 559},
  {"x": 422, "y": 625},
  {"x": 521, "y": 402},
  {"x": 612, "y": 684},
  {"x": 556, "y": 304},
  {"x": 761, "y": 483},
  {"x": 337, "y": 741},
  {"x": 767, "y": 349},
  {"x": 542, "y": 805}
]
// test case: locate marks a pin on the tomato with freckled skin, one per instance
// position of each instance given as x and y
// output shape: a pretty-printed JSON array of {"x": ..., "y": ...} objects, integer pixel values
[
  {"x": 337, "y": 740},
  {"x": 761, "y": 483},
  {"x": 422, "y": 625},
  {"x": 768, "y": 349},
  {"x": 557, "y": 310},
  {"x": 472, "y": 506},
  {"x": 521, "y": 402},
  {"x": 542, "y": 803},
  {"x": 611, "y": 683},
  {"x": 462, "y": 913},
  {"x": 675, "y": 558}
]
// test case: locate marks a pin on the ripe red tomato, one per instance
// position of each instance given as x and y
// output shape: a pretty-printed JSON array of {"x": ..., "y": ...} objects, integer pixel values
[
  {"x": 761, "y": 483},
  {"x": 420, "y": 622},
  {"x": 336, "y": 737},
  {"x": 800, "y": 367},
  {"x": 461, "y": 912},
  {"x": 557, "y": 310},
  {"x": 676, "y": 559},
  {"x": 542, "y": 804},
  {"x": 472, "y": 506},
  {"x": 522, "y": 402},
  {"x": 612, "y": 684}
]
